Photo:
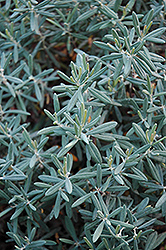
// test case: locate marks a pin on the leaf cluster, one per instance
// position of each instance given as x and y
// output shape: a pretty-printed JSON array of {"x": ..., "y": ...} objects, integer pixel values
[{"x": 92, "y": 175}]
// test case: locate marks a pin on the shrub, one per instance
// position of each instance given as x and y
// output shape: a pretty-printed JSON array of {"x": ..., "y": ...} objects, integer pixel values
[{"x": 89, "y": 171}]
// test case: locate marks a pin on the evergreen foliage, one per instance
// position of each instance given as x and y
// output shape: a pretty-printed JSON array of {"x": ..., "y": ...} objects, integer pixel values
[{"x": 90, "y": 171}]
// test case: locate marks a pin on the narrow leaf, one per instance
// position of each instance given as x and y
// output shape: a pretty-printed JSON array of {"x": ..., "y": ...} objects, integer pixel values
[{"x": 98, "y": 231}]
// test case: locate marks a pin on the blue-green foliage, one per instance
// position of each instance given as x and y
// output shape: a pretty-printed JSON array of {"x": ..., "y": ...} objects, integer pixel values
[{"x": 96, "y": 165}]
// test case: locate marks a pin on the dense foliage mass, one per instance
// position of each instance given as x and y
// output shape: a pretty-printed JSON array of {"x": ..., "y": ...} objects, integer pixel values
[{"x": 90, "y": 171}]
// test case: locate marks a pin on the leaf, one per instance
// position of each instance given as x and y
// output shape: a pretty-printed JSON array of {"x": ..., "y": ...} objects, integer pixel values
[
  {"x": 143, "y": 65},
  {"x": 42, "y": 143},
  {"x": 32, "y": 207},
  {"x": 105, "y": 137},
  {"x": 11, "y": 89},
  {"x": 138, "y": 69},
  {"x": 120, "y": 151},
  {"x": 67, "y": 241},
  {"x": 117, "y": 188},
  {"x": 86, "y": 15},
  {"x": 50, "y": 130},
  {"x": 115, "y": 212},
  {"x": 54, "y": 188},
  {"x": 50, "y": 243},
  {"x": 15, "y": 53},
  {"x": 98, "y": 231},
  {"x": 85, "y": 175},
  {"x": 96, "y": 75},
  {"x": 160, "y": 239},
  {"x": 96, "y": 202},
  {"x": 136, "y": 23},
  {"x": 161, "y": 201},
  {"x": 14, "y": 177},
  {"x": 27, "y": 138},
  {"x": 70, "y": 228},
  {"x": 33, "y": 161},
  {"x": 5, "y": 211},
  {"x": 42, "y": 185},
  {"x": 16, "y": 111},
  {"x": 153, "y": 109},
  {"x": 94, "y": 152},
  {"x": 107, "y": 126},
  {"x": 32, "y": 21},
  {"x": 151, "y": 241},
  {"x": 152, "y": 185},
  {"x": 14, "y": 79},
  {"x": 119, "y": 168},
  {"x": 119, "y": 179},
  {"x": 147, "y": 224},
  {"x": 149, "y": 17},
  {"x": 102, "y": 97},
  {"x": 139, "y": 173},
  {"x": 134, "y": 176},
  {"x": 64, "y": 77},
  {"x": 81, "y": 200},
  {"x": 155, "y": 40},
  {"x": 130, "y": 5},
  {"x": 117, "y": 5},
  {"x": 7, "y": 5},
  {"x": 105, "y": 46},
  {"x": 138, "y": 130},
  {"x": 17, "y": 213},
  {"x": 68, "y": 117},
  {"x": 154, "y": 171},
  {"x": 73, "y": 100},
  {"x": 85, "y": 138},
  {"x": 111, "y": 57},
  {"x": 127, "y": 65},
  {"x": 69, "y": 162},
  {"x": 15, "y": 238},
  {"x": 48, "y": 178},
  {"x": 57, "y": 205},
  {"x": 108, "y": 12},
  {"x": 57, "y": 163},
  {"x": 37, "y": 92},
  {"x": 37, "y": 243},
  {"x": 92, "y": 122},
  {"x": 68, "y": 185},
  {"x": 121, "y": 223},
  {"x": 67, "y": 148},
  {"x": 156, "y": 58},
  {"x": 43, "y": 73},
  {"x": 64, "y": 196},
  {"x": 99, "y": 175},
  {"x": 155, "y": 33},
  {"x": 88, "y": 242}
]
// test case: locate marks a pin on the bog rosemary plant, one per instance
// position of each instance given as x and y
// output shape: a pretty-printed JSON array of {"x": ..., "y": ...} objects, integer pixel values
[{"x": 82, "y": 124}]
